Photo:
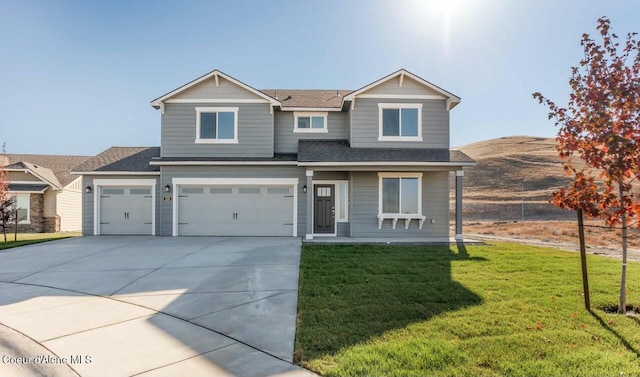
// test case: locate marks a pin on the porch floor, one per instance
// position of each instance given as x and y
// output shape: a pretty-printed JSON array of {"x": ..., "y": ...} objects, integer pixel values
[{"x": 356, "y": 240}]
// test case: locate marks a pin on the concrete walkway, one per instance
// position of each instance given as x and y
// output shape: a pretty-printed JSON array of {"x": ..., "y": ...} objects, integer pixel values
[{"x": 150, "y": 306}]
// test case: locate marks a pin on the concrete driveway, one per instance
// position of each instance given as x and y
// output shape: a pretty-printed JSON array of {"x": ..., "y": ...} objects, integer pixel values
[{"x": 150, "y": 306}]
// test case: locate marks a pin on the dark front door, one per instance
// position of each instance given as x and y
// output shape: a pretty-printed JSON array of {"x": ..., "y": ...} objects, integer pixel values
[{"x": 324, "y": 209}]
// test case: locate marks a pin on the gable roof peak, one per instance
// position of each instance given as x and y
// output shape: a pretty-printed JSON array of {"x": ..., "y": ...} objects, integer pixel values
[
  {"x": 452, "y": 99},
  {"x": 216, "y": 73}
]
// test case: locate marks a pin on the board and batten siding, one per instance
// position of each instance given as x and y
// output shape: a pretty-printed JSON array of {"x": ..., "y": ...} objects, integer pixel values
[
  {"x": 409, "y": 87},
  {"x": 170, "y": 172},
  {"x": 87, "y": 199},
  {"x": 364, "y": 129},
  {"x": 365, "y": 202},
  {"x": 286, "y": 141},
  {"x": 208, "y": 89},
  {"x": 255, "y": 131}
]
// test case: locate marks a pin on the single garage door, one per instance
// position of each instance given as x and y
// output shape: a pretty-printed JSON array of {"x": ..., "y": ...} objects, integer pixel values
[
  {"x": 125, "y": 210},
  {"x": 235, "y": 211}
]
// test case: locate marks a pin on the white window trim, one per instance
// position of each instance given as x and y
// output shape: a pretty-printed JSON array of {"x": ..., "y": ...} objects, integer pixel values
[
  {"x": 97, "y": 185},
  {"x": 200, "y": 110},
  {"x": 177, "y": 182},
  {"x": 28, "y": 220},
  {"x": 394, "y": 217},
  {"x": 400, "y": 175},
  {"x": 400, "y": 106},
  {"x": 310, "y": 130}
]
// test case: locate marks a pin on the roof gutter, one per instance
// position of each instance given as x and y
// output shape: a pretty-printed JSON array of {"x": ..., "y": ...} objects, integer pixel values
[
  {"x": 115, "y": 172},
  {"x": 388, "y": 163}
]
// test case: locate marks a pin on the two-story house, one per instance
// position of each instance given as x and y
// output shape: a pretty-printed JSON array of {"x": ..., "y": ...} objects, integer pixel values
[{"x": 238, "y": 161}]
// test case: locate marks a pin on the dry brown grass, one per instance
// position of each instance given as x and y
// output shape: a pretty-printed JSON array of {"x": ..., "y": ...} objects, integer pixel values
[
  {"x": 513, "y": 168},
  {"x": 555, "y": 231}
]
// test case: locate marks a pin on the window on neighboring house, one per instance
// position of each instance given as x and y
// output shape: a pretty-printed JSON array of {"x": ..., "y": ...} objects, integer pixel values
[
  {"x": 217, "y": 125},
  {"x": 23, "y": 205},
  {"x": 310, "y": 122},
  {"x": 400, "y": 121},
  {"x": 400, "y": 194}
]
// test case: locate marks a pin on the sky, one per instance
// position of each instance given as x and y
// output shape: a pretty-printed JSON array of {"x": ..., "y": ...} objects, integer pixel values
[{"x": 77, "y": 77}]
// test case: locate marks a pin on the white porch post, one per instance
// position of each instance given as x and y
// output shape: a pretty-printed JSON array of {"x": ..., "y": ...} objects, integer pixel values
[
  {"x": 459, "y": 175},
  {"x": 309, "y": 186}
]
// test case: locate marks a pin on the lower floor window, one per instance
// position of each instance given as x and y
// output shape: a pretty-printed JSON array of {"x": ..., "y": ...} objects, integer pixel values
[
  {"x": 24, "y": 206},
  {"x": 400, "y": 194}
]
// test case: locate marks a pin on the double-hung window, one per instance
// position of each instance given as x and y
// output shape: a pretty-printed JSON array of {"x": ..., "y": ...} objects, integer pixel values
[
  {"x": 400, "y": 121},
  {"x": 23, "y": 205},
  {"x": 217, "y": 125},
  {"x": 400, "y": 193},
  {"x": 315, "y": 122}
]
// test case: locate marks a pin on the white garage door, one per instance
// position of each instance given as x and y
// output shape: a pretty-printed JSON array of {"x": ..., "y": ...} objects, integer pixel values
[
  {"x": 235, "y": 211},
  {"x": 125, "y": 210}
]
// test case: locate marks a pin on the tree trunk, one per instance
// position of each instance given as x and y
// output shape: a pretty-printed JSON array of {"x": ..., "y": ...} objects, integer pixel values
[
  {"x": 15, "y": 226},
  {"x": 583, "y": 261},
  {"x": 622, "y": 306}
]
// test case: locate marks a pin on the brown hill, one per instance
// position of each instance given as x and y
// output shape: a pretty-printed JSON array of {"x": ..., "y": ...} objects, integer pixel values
[{"x": 513, "y": 172}]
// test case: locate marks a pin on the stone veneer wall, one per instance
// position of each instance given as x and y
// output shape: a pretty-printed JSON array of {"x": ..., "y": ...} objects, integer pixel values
[{"x": 51, "y": 224}]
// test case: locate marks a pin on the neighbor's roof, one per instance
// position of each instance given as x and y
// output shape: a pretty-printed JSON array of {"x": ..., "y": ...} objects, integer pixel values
[
  {"x": 122, "y": 159},
  {"x": 308, "y": 98},
  {"x": 30, "y": 187},
  {"x": 59, "y": 166},
  {"x": 340, "y": 151}
]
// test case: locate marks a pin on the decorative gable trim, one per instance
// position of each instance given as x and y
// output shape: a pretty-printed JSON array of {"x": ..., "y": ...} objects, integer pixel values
[
  {"x": 158, "y": 103},
  {"x": 452, "y": 99}
]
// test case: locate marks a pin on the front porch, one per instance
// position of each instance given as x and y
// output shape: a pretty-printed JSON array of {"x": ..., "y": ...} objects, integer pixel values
[{"x": 367, "y": 204}]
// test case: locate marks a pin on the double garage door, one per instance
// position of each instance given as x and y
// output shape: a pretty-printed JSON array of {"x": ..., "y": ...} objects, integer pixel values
[{"x": 235, "y": 210}]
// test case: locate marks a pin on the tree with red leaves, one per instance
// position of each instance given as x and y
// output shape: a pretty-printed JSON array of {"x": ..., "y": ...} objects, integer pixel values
[
  {"x": 601, "y": 125},
  {"x": 7, "y": 202}
]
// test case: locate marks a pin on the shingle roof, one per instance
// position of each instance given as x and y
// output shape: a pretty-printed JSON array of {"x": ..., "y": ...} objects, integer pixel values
[
  {"x": 340, "y": 151},
  {"x": 308, "y": 98},
  {"x": 27, "y": 187},
  {"x": 122, "y": 159},
  {"x": 276, "y": 157},
  {"x": 60, "y": 166}
]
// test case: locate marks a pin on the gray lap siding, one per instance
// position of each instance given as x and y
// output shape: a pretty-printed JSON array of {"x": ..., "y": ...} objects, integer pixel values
[
  {"x": 255, "y": 132},
  {"x": 286, "y": 141},
  {"x": 364, "y": 130},
  {"x": 170, "y": 172},
  {"x": 364, "y": 208}
]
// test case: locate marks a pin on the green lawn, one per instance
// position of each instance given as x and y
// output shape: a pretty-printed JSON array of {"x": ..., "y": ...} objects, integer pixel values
[
  {"x": 31, "y": 238},
  {"x": 498, "y": 310}
]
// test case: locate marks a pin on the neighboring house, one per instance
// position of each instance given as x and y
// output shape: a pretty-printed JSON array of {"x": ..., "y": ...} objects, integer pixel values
[
  {"x": 49, "y": 197},
  {"x": 237, "y": 161}
]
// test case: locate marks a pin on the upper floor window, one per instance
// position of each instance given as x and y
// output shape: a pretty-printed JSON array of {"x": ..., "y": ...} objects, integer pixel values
[
  {"x": 217, "y": 125},
  {"x": 400, "y": 121},
  {"x": 310, "y": 122}
]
